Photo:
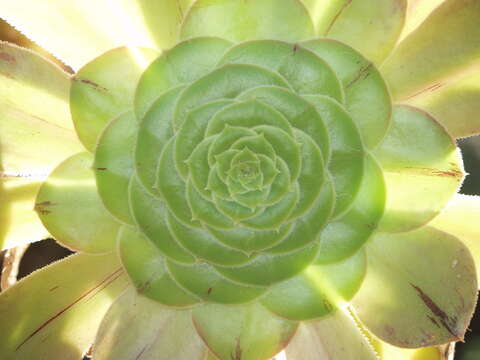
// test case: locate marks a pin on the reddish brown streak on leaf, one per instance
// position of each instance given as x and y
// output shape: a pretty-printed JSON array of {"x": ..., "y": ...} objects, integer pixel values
[
  {"x": 238, "y": 351},
  {"x": 7, "y": 57},
  {"x": 40, "y": 207},
  {"x": 445, "y": 320},
  {"x": 430, "y": 88},
  {"x": 103, "y": 284},
  {"x": 337, "y": 16},
  {"x": 92, "y": 83},
  {"x": 53, "y": 288},
  {"x": 141, "y": 352},
  {"x": 362, "y": 74},
  {"x": 432, "y": 319},
  {"x": 102, "y": 168},
  {"x": 434, "y": 172}
]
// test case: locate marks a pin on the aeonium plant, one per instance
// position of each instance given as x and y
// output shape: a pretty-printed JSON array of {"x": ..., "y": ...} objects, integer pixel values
[{"x": 241, "y": 180}]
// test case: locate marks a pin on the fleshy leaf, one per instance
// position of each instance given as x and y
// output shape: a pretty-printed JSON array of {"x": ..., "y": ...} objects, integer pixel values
[
  {"x": 147, "y": 270},
  {"x": 36, "y": 134},
  {"x": 436, "y": 50},
  {"x": 367, "y": 98},
  {"x": 55, "y": 312},
  {"x": 245, "y": 20},
  {"x": 353, "y": 21},
  {"x": 318, "y": 290},
  {"x": 247, "y": 332},
  {"x": 455, "y": 103},
  {"x": 136, "y": 327},
  {"x": 417, "y": 12},
  {"x": 389, "y": 352},
  {"x": 422, "y": 168},
  {"x": 460, "y": 219},
  {"x": 435, "y": 289},
  {"x": 70, "y": 208},
  {"x": 114, "y": 165},
  {"x": 334, "y": 337},
  {"x": 81, "y": 30},
  {"x": 103, "y": 89}
]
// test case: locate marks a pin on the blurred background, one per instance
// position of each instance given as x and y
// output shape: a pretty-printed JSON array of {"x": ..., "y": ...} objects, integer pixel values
[{"x": 44, "y": 252}]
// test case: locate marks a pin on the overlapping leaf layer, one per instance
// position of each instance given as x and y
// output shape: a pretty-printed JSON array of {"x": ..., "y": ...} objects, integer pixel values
[{"x": 231, "y": 172}]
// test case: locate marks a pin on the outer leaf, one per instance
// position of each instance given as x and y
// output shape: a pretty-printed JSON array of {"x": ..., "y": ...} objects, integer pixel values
[
  {"x": 454, "y": 102},
  {"x": 417, "y": 12},
  {"x": 445, "y": 44},
  {"x": 95, "y": 26},
  {"x": 99, "y": 94},
  {"x": 245, "y": 20},
  {"x": 422, "y": 169},
  {"x": 54, "y": 313},
  {"x": 332, "y": 338},
  {"x": 389, "y": 352},
  {"x": 460, "y": 219},
  {"x": 353, "y": 21},
  {"x": 247, "y": 332},
  {"x": 425, "y": 277},
  {"x": 70, "y": 208},
  {"x": 36, "y": 134},
  {"x": 138, "y": 328}
]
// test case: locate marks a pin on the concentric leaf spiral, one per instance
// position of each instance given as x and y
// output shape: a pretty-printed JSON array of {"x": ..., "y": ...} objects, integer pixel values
[{"x": 241, "y": 158}]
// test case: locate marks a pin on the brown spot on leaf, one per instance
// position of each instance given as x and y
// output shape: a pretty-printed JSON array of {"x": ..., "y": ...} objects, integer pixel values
[
  {"x": 53, "y": 288},
  {"x": 389, "y": 330},
  {"x": 102, "y": 168},
  {"x": 295, "y": 48},
  {"x": 209, "y": 291},
  {"x": 447, "y": 322},
  {"x": 7, "y": 57}
]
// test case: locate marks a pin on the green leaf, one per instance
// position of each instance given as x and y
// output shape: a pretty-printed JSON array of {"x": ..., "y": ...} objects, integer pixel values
[
  {"x": 136, "y": 327},
  {"x": 455, "y": 103},
  {"x": 114, "y": 165},
  {"x": 247, "y": 332},
  {"x": 34, "y": 115},
  {"x": 460, "y": 218},
  {"x": 55, "y": 312},
  {"x": 245, "y": 20},
  {"x": 444, "y": 45},
  {"x": 425, "y": 277},
  {"x": 167, "y": 71},
  {"x": 146, "y": 267},
  {"x": 318, "y": 290},
  {"x": 422, "y": 168},
  {"x": 353, "y": 21},
  {"x": 344, "y": 236},
  {"x": 81, "y": 30},
  {"x": 70, "y": 208},
  {"x": 99, "y": 93},
  {"x": 367, "y": 98},
  {"x": 334, "y": 337}
]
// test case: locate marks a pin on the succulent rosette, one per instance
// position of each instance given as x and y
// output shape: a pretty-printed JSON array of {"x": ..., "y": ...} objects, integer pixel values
[{"x": 241, "y": 178}]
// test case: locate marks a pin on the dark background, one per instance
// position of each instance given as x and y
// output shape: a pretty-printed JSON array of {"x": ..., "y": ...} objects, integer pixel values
[{"x": 44, "y": 252}]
